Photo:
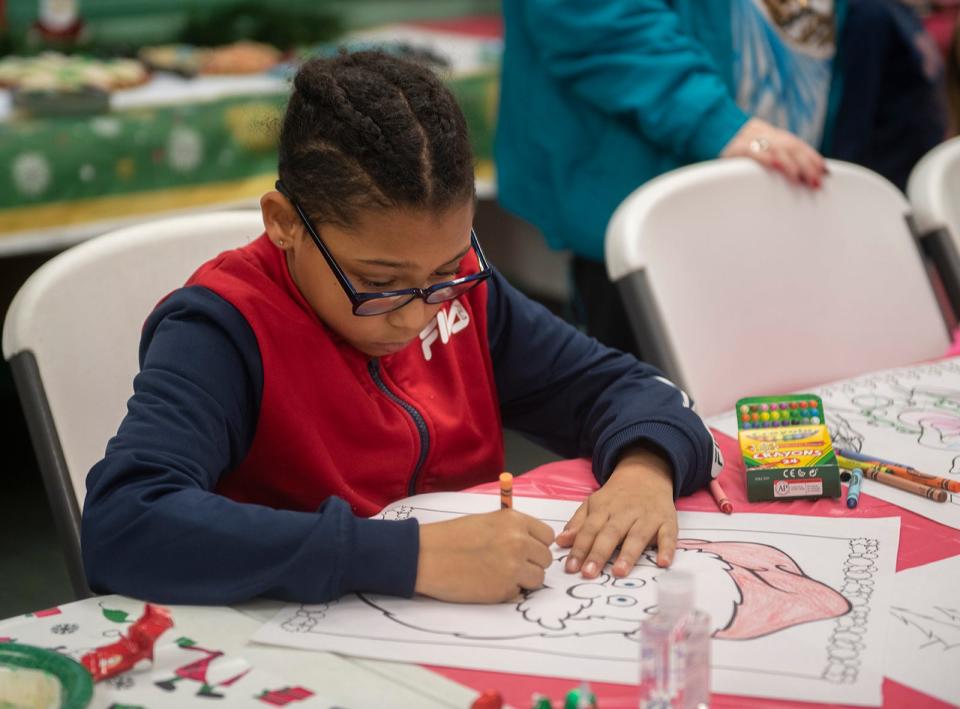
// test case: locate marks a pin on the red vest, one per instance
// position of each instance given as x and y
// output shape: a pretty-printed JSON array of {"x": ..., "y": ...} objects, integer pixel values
[{"x": 334, "y": 422}]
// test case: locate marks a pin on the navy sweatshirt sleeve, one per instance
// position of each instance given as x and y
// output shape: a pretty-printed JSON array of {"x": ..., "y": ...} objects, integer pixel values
[
  {"x": 579, "y": 398},
  {"x": 152, "y": 526}
]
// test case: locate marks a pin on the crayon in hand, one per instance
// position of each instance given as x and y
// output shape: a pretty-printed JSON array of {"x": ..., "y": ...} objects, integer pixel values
[{"x": 506, "y": 491}]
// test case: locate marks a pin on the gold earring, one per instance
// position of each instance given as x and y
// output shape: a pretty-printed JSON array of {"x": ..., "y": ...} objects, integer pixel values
[{"x": 280, "y": 243}]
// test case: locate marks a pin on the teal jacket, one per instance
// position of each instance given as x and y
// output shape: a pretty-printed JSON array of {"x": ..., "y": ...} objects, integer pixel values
[{"x": 619, "y": 91}]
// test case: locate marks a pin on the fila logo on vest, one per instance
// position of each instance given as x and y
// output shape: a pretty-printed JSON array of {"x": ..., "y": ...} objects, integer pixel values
[{"x": 447, "y": 324}]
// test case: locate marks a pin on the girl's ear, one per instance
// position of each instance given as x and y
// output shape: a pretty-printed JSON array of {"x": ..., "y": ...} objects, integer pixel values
[{"x": 280, "y": 220}]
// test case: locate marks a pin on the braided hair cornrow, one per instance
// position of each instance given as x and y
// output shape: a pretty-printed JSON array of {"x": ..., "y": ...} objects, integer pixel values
[
  {"x": 370, "y": 130},
  {"x": 447, "y": 129}
]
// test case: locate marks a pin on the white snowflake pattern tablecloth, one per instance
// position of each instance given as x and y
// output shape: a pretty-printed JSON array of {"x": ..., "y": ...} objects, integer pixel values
[{"x": 206, "y": 657}]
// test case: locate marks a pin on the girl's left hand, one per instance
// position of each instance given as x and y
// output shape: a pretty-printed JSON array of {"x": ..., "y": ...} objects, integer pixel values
[{"x": 633, "y": 508}]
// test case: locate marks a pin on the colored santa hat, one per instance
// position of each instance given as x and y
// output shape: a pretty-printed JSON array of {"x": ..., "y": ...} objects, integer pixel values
[{"x": 776, "y": 594}]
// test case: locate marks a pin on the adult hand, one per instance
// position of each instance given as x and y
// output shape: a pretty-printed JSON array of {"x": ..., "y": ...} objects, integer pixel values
[
  {"x": 634, "y": 507},
  {"x": 777, "y": 149},
  {"x": 486, "y": 558}
]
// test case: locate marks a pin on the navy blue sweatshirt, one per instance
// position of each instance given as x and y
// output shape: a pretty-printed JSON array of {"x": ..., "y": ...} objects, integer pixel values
[{"x": 153, "y": 527}]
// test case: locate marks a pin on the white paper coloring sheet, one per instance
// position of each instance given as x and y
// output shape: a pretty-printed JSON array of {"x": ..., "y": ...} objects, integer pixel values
[
  {"x": 799, "y": 607},
  {"x": 909, "y": 415},
  {"x": 923, "y": 642}
]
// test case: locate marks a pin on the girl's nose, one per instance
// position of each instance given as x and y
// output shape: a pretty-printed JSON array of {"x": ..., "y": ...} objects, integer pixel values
[{"x": 412, "y": 317}]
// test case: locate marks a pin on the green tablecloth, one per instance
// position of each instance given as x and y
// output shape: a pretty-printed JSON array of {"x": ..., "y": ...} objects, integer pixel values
[{"x": 70, "y": 170}]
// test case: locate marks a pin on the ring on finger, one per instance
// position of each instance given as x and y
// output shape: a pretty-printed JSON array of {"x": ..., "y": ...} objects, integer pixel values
[{"x": 759, "y": 145}]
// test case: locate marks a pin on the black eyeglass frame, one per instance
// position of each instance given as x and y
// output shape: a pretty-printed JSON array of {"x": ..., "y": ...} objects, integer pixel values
[{"x": 358, "y": 298}]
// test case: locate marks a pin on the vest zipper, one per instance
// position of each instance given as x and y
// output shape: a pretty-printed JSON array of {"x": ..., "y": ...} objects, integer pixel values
[{"x": 374, "y": 367}]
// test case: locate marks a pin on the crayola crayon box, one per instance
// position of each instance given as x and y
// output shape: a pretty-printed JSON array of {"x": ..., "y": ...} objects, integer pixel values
[{"x": 786, "y": 448}]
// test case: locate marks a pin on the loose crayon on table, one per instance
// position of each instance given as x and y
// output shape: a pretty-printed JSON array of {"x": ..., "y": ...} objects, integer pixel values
[
  {"x": 720, "y": 497},
  {"x": 851, "y": 464},
  {"x": 506, "y": 491},
  {"x": 851, "y": 454},
  {"x": 853, "y": 489},
  {"x": 903, "y": 471},
  {"x": 897, "y": 471},
  {"x": 931, "y": 493}
]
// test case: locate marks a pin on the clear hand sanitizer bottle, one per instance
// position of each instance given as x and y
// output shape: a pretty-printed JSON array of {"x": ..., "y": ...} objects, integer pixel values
[{"x": 675, "y": 649}]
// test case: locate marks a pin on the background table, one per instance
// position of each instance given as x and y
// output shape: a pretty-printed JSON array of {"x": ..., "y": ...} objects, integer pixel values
[{"x": 210, "y": 142}]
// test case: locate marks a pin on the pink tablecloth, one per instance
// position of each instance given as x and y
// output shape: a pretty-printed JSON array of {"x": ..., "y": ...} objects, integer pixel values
[{"x": 921, "y": 541}]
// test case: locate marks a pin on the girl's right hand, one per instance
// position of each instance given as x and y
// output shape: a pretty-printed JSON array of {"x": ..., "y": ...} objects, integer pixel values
[{"x": 485, "y": 558}]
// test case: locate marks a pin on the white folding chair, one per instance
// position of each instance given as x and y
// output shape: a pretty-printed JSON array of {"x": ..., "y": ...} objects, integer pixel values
[
  {"x": 934, "y": 194},
  {"x": 71, "y": 336},
  {"x": 738, "y": 283},
  {"x": 934, "y": 189}
]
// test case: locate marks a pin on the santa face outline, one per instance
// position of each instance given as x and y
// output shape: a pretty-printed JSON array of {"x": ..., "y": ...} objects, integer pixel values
[
  {"x": 610, "y": 604},
  {"x": 754, "y": 590},
  {"x": 620, "y": 600}
]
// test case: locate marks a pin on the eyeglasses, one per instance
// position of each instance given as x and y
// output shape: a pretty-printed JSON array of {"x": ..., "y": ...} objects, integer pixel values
[{"x": 387, "y": 301}]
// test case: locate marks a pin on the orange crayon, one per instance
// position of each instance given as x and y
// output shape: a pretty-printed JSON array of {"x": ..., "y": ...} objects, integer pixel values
[
  {"x": 721, "y": 497},
  {"x": 901, "y": 471},
  {"x": 506, "y": 491},
  {"x": 905, "y": 473},
  {"x": 931, "y": 493}
]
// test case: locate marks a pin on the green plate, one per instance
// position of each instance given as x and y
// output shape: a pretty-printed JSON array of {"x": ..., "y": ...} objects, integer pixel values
[{"x": 76, "y": 685}]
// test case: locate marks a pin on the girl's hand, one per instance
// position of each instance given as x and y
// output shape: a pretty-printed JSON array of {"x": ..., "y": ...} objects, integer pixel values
[
  {"x": 484, "y": 558},
  {"x": 779, "y": 150},
  {"x": 633, "y": 509}
]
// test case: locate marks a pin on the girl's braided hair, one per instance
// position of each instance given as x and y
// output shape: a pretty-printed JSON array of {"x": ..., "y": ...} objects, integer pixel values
[{"x": 369, "y": 130}]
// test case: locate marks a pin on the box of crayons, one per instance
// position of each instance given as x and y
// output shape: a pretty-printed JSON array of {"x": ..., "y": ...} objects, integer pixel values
[{"x": 786, "y": 448}]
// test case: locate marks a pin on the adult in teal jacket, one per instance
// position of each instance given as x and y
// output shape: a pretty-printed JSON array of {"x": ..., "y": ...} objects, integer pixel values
[{"x": 599, "y": 96}]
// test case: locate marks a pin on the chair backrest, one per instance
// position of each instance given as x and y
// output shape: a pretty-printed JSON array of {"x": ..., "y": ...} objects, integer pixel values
[
  {"x": 72, "y": 334},
  {"x": 934, "y": 193},
  {"x": 934, "y": 190},
  {"x": 738, "y": 283}
]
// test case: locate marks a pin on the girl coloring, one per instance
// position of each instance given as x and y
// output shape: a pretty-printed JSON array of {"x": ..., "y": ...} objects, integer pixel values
[{"x": 362, "y": 350}]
